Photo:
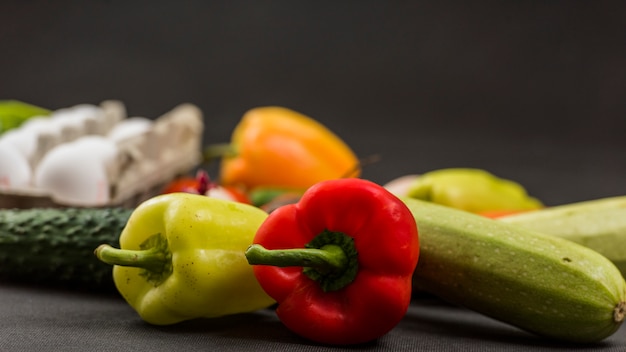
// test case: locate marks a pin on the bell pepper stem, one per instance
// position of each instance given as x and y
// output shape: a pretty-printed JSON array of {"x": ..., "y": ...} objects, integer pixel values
[
  {"x": 215, "y": 151},
  {"x": 151, "y": 259},
  {"x": 153, "y": 256},
  {"x": 330, "y": 259},
  {"x": 327, "y": 258}
]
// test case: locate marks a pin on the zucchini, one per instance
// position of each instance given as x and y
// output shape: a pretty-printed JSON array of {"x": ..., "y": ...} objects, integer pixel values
[
  {"x": 599, "y": 224},
  {"x": 540, "y": 283},
  {"x": 54, "y": 246}
]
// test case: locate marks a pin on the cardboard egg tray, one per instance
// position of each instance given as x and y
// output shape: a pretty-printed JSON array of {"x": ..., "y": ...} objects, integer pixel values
[{"x": 145, "y": 162}]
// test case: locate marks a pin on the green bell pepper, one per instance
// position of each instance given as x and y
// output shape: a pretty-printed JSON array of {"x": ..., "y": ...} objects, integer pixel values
[
  {"x": 182, "y": 257},
  {"x": 473, "y": 190},
  {"x": 13, "y": 113}
]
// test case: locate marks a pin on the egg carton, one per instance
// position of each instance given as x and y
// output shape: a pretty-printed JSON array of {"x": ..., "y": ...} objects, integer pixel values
[{"x": 102, "y": 158}]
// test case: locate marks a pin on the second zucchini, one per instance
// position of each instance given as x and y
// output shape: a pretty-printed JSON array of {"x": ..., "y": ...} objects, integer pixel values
[{"x": 599, "y": 224}]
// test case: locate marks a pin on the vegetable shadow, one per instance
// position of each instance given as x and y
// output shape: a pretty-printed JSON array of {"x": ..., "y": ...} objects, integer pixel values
[
  {"x": 262, "y": 325},
  {"x": 432, "y": 316}
]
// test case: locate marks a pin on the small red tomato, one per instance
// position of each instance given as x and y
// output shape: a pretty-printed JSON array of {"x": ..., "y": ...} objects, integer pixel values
[
  {"x": 202, "y": 185},
  {"x": 237, "y": 194},
  {"x": 182, "y": 184}
]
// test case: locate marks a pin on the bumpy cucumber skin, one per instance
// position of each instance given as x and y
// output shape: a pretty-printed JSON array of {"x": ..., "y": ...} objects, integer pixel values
[
  {"x": 540, "y": 283},
  {"x": 599, "y": 224},
  {"x": 55, "y": 246}
]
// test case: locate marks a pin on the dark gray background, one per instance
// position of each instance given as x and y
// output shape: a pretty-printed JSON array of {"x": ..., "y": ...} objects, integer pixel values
[{"x": 530, "y": 90}]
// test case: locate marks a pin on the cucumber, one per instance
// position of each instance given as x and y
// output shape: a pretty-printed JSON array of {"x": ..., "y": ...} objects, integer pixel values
[
  {"x": 54, "y": 246},
  {"x": 540, "y": 283},
  {"x": 599, "y": 224}
]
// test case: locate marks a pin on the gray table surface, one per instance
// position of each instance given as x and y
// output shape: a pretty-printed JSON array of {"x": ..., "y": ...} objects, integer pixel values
[{"x": 44, "y": 319}]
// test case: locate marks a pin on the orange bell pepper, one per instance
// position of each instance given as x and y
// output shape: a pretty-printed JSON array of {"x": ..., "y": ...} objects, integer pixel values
[{"x": 277, "y": 147}]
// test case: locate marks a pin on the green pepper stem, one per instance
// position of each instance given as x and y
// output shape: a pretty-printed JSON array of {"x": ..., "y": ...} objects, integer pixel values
[
  {"x": 152, "y": 259},
  {"x": 328, "y": 258},
  {"x": 218, "y": 150}
]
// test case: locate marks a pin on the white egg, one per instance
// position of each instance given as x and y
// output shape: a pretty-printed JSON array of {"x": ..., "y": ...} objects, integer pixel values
[
  {"x": 73, "y": 176},
  {"x": 103, "y": 149},
  {"x": 70, "y": 126},
  {"x": 87, "y": 109},
  {"x": 34, "y": 138},
  {"x": 130, "y": 127},
  {"x": 15, "y": 172},
  {"x": 92, "y": 117},
  {"x": 37, "y": 123},
  {"x": 24, "y": 141},
  {"x": 43, "y": 126},
  {"x": 97, "y": 146}
]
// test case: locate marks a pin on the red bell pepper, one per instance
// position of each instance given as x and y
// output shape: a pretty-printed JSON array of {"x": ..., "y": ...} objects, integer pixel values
[{"x": 339, "y": 262}]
